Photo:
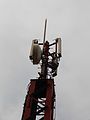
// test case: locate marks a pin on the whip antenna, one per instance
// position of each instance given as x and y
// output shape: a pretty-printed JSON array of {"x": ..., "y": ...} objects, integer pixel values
[{"x": 45, "y": 31}]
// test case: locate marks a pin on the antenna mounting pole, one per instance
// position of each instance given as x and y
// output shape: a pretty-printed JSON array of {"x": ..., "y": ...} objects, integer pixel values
[{"x": 45, "y": 31}]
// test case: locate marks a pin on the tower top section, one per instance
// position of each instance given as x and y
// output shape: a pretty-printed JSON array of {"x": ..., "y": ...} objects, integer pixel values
[{"x": 41, "y": 53}]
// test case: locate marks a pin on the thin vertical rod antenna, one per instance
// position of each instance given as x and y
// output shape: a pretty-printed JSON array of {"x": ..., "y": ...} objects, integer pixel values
[{"x": 45, "y": 31}]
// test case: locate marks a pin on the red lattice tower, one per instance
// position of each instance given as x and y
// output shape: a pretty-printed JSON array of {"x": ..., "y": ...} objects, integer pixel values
[{"x": 40, "y": 99}]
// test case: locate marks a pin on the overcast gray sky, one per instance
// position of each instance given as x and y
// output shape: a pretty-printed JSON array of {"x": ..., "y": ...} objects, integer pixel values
[{"x": 23, "y": 20}]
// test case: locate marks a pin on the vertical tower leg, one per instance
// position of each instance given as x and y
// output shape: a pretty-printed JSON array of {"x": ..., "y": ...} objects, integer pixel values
[{"x": 28, "y": 102}]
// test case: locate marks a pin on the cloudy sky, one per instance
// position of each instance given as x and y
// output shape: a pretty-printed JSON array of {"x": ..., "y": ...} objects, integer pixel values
[{"x": 23, "y": 20}]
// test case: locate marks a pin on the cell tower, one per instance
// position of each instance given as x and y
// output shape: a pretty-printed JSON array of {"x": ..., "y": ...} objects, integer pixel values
[{"x": 40, "y": 99}]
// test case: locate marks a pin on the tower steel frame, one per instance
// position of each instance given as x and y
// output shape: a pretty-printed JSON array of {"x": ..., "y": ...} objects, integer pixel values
[{"x": 39, "y": 102}]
